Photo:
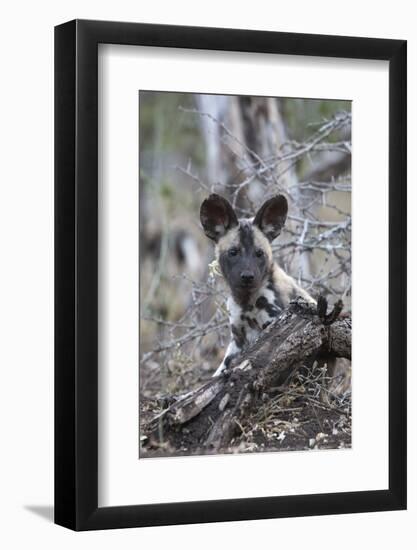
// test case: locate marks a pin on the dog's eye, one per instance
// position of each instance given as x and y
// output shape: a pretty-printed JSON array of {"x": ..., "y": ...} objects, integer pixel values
[
  {"x": 259, "y": 253},
  {"x": 233, "y": 251}
]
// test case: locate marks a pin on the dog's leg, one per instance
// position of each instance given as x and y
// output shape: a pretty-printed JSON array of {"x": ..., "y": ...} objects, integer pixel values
[{"x": 231, "y": 352}]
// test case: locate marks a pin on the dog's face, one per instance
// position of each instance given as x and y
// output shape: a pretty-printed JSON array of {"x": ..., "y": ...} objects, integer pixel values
[{"x": 243, "y": 246}]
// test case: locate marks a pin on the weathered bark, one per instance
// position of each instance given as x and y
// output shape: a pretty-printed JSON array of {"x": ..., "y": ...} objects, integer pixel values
[{"x": 207, "y": 418}]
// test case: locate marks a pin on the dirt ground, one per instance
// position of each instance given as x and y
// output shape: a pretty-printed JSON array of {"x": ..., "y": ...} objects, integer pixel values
[{"x": 305, "y": 415}]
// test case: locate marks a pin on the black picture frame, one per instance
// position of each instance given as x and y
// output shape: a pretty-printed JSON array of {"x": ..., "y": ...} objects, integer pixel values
[{"x": 76, "y": 273}]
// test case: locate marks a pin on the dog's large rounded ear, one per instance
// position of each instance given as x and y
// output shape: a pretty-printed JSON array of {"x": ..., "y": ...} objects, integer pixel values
[
  {"x": 217, "y": 217},
  {"x": 271, "y": 217}
]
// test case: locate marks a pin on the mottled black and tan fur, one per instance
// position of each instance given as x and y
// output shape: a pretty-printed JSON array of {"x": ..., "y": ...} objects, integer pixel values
[{"x": 259, "y": 288}]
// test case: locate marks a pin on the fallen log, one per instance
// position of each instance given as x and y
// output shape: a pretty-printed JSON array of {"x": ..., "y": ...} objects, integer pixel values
[{"x": 207, "y": 418}]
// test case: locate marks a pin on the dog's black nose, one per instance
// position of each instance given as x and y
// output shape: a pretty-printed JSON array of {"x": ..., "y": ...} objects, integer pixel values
[{"x": 247, "y": 277}]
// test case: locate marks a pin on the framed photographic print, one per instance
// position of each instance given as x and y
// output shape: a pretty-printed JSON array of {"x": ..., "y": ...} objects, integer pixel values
[{"x": 230, "y": 248}]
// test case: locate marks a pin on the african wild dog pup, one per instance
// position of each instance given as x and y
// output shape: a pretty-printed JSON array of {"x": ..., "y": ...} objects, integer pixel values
[{"x": 259, "y": 288}]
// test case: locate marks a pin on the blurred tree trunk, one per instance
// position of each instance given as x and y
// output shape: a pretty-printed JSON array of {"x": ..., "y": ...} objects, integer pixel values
[
  {"x": 242, "y": 135},
  {"x": 239, "y": 132}
]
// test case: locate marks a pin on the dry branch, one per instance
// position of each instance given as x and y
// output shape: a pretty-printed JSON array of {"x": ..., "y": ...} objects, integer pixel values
[{"x": 208, "y": 418}]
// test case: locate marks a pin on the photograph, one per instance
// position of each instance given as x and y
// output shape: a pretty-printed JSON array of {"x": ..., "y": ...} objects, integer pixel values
[{"x": 244, "y": 242}]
